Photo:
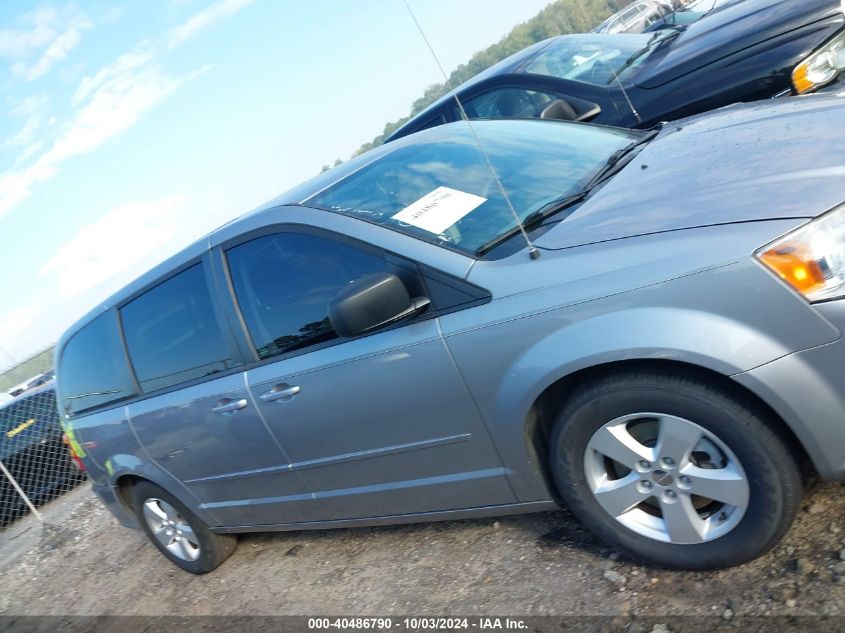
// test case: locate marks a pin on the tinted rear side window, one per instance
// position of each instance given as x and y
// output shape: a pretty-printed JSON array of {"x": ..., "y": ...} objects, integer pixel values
[
  {"x": 284, "y": 283},
  {"x": 172, "y": 333},
  {"x": 92, "y": 369}
]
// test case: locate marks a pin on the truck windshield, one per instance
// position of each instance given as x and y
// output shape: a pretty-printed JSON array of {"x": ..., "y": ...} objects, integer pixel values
[{"x": 597, "y": 59}]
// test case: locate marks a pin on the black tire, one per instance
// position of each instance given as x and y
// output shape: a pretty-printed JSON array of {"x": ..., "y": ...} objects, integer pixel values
[
  {"x": 213, "y": 548},
  {"x": 774, "y": 482}
]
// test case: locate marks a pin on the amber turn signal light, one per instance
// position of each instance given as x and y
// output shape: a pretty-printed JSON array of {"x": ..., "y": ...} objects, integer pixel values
[{"x": 793, "y": 263}]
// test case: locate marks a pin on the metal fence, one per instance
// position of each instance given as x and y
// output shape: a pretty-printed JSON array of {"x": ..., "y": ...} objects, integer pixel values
[{"x": 35, "y": 463}]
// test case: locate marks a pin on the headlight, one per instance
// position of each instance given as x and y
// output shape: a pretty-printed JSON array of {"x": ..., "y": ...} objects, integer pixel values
[
  {"x": 821, "y": 67},
  {"x": 811, "y": 259}
]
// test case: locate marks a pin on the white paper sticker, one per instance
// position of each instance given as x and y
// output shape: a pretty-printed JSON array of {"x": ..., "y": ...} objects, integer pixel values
[{"x": 437, "y": 211}]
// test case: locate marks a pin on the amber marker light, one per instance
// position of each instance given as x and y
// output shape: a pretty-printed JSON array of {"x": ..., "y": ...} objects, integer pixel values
[
  {"x": 811, "y": 259},
  {"x": 800, "y": 79},
  {"x": 821, "y": 67},
  {"x": 794, "y": 265}
]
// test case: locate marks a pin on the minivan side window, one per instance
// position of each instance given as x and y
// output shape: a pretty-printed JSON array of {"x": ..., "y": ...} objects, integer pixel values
[
  {"x": 284, "y": 283},
  {"x": 92, "y": 368},
  {"x": 172, "y": 333}
]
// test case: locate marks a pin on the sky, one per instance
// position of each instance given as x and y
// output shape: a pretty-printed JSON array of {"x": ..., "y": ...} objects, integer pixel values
[{"x": 133, "y": 129}]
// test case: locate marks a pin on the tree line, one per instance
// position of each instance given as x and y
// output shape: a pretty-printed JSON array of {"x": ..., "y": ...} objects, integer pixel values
[{"x": 559, "y": 18}]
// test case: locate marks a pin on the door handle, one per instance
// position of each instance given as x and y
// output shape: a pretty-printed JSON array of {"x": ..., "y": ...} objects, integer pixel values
[
  {"x": 227, "y": 406},
  {"x": 282, "y": 392}
]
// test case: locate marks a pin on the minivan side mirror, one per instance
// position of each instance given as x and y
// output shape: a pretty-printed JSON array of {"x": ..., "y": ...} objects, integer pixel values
[{"x": 373, "y": 301}]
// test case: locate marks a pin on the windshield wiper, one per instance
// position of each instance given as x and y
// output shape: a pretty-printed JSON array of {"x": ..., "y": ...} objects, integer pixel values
[
  {"x": 615, "y": 162},
  {"x": 656, "y": 38},
  {"x": 536, "y": 218}
]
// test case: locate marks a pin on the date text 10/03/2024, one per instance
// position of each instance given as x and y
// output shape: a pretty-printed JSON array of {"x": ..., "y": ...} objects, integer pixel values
[{"x": 417, "y": 623}]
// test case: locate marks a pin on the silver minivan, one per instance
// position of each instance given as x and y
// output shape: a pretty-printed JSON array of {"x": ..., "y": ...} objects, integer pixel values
[{"x": 476, "y": 321}]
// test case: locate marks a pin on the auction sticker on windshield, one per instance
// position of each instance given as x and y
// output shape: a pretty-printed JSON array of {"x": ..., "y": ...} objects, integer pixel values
[{"x": 437, "y": 211}]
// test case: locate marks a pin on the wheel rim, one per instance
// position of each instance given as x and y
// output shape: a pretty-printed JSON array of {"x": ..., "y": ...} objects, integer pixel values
[
  {"x": 171, "y": 530},
  {"x": 666, "y": 478}
]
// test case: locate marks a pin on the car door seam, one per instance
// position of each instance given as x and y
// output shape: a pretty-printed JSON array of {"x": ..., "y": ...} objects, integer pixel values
[
  {"x": 284, "y": 454},
  {"x": 150, "y": 459},
  {"x": 475, "y": 406}
]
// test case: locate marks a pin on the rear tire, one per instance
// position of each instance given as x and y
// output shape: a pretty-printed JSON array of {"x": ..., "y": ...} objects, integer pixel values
[
  {"x": 708, "y": 482},
  {"x": 177, "y": 532}
]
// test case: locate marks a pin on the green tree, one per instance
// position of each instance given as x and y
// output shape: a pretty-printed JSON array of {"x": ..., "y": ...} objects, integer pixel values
[{"x": 559, "y": 18}]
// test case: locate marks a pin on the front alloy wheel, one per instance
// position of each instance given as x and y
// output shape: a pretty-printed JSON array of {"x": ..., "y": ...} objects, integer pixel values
[
  {"x": 675, "y": 467},
  {"x": 666, "y": 478}
]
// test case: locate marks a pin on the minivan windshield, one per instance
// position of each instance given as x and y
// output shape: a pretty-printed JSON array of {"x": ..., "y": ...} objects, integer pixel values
[
  {"x": 597, "y": 59},
  {"x": 438, "y": 186}
]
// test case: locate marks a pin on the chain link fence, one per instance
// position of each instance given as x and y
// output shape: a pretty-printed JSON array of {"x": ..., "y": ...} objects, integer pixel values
[{"x": 35, "y": 463}]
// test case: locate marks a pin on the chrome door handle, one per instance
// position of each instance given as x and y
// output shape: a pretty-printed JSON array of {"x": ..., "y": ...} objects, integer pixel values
[
  {"x": 282, "y": 392},
  {"x": 228, "y": 406}
]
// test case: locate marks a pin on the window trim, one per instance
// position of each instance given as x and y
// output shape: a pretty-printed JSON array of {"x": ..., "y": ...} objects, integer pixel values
[
  {"x": 124, "y": 346},
  {"x": 62, "y": 406},
  {"x": 204, "y": 261}
]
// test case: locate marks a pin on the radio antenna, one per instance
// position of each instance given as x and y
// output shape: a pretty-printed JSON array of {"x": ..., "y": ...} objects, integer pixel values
[
  {"x": 627, "y": 98},
  {"x": 533, "y": 251}
]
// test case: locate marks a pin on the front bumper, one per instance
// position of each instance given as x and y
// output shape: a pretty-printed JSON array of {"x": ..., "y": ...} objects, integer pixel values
[
  {"x": 807, "y": 389},
  {"x": 109, "y": 496}
]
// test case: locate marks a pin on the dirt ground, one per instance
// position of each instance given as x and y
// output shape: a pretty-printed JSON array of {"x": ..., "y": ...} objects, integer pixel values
[{"x": 527, "y": 565}]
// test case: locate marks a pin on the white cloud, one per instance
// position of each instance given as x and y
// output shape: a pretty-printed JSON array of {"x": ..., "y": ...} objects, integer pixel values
[
  {"x": 124, "y": 64},
  {"x": 19, "y": 320},
  {"x": 58, "y": 49},
  {"x": 117, "y": 105},
  {"x": 25, "y": 134},
  {"x": 213, "y": 13},
  {"x": 106, "y": 103},
  {"x": 15, "y": 186},
  {"x": 113, "y": 243},
  {"x": 27, "y": 152},
  {"x": 117, "y": 98},
  {"x": 19, "y": 43},
  {"x": 28, "y": 106},
  {"x": 31, "y": 111}
]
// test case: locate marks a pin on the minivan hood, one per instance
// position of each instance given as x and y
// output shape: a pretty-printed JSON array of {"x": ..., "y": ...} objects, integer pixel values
[
  {"x": 768, "y": 160},
  {"x": 730, "y": 29}
]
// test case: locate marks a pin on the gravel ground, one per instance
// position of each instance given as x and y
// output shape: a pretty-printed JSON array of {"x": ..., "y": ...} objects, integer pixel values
[{"x": 541, "y": 564}]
